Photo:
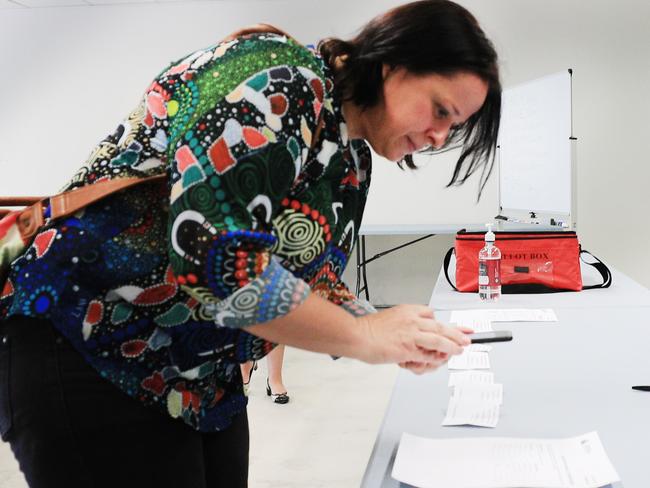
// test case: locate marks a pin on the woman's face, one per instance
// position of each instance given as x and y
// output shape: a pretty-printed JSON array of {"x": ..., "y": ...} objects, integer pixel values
[{"x": 418, "y": 111}]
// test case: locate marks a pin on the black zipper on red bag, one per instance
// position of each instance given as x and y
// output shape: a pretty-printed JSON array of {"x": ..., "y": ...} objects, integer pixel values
[{"x": 469, "y": 236}]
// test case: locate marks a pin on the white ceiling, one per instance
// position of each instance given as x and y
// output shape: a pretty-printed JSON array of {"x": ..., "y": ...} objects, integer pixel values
[{"x": 22, "y": 4}]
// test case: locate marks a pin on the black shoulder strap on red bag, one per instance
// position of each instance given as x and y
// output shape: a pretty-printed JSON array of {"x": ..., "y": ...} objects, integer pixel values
[
  {"x": 599, "y": 265},
  {"x": 445, "y": 266},
  {"x": 602, "y": 269}
]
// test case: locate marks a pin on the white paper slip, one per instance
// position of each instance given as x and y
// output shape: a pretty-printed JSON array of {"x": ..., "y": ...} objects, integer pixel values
[
  {"x": 475, "y": 323},
  {"x": 479, "y": 347},
  {"x": 479, "y": 325},
  {"x": 474, "y": 377},
  {"x": 501, "y": 462},
  {"x": 524, "y": 315},
  {"x": 471, "y": 412},
  {"x": 470, "y": 360},
  {"x": 464, "y": 316},
  {"x": 504, "y": 315},
  {"x": 479, "y": 394}
]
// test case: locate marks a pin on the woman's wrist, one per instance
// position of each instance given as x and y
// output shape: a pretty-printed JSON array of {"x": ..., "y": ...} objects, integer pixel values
[
  {"x": 362, "y": 335},
  {"x": 319, "y": 326}
]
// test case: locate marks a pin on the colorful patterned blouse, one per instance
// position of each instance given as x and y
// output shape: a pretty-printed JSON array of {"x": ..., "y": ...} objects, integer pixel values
[{"x": 153, "y": 285}]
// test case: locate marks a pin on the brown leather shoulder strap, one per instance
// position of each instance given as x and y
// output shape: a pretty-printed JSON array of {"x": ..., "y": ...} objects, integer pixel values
[
  {"x": 257, "y": 29},
  {"x": 19, "y": 201},
  {"x": 31, "y": 219},
  {"x": 72, "y": 201}
]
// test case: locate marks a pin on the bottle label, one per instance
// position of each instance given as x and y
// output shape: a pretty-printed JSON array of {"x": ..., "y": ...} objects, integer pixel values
[{"x": 489, "y": 272}]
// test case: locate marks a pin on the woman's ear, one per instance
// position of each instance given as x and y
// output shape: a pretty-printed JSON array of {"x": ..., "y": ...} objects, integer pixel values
[
  {"x": 339, "y": 61},
  {"x": 385, "y": 70}
]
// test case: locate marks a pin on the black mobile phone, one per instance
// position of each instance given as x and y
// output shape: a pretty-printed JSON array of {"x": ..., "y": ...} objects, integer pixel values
[{"x": 494, "y": 336}]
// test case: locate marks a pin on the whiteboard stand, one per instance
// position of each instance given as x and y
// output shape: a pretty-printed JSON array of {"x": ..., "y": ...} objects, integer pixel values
[
  {"x": 423, "y": 230},
  {"x": 362, "y": 261},
  {"x": 560, "y": 221}
]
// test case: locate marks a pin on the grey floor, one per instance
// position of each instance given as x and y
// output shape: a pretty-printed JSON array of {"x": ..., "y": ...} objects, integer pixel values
[{"x": 322, "y": 438}]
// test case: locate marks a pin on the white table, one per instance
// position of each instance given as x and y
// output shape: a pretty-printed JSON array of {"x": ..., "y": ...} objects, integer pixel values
[{"x": 560, "y": 380}]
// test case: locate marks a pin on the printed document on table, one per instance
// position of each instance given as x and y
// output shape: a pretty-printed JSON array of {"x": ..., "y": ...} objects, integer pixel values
[
  {"x": 471, "y": 377},
  {"x": 504, "y": 315},
  {"x": 470, "y": 360},
  {"x": 500, "y": 462},
  {"x": 471, "y": 412}
]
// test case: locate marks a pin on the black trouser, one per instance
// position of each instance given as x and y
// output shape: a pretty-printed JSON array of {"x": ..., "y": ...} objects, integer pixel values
[{"x": 69, "y": 427}]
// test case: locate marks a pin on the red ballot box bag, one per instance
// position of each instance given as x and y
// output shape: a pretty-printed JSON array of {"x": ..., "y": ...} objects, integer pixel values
[{"x": 531, "y": 262}]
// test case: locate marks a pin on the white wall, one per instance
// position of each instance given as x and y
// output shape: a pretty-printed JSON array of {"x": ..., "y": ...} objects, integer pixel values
[
  {"x": 69, "y": 75},
  {"x": 608, "y": 45}
]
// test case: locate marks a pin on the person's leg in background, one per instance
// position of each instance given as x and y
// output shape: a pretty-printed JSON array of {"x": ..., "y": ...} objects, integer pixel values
[
  {"x": 247, "y": 370},
  {"x": 274, "y": 385}
]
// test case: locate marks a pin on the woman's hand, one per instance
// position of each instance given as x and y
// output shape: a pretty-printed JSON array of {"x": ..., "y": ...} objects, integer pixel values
[
  {"x": 407, "y": 334},
  {"x": 410, "y": 336},
  {"x": 440, "y": 359}
]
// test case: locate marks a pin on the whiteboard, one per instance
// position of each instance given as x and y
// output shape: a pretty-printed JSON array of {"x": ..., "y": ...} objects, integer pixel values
[{"x": 535, "y": 161}]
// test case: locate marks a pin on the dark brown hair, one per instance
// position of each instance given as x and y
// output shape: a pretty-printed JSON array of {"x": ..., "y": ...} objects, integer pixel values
[{"x": 426, "y": 36}]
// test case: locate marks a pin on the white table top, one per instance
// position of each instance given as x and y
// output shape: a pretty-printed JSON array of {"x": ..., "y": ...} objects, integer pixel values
[{"x": 560, "y": 379}]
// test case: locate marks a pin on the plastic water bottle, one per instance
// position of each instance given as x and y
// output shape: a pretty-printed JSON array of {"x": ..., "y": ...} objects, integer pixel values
[{"x": 489, "y": 269}]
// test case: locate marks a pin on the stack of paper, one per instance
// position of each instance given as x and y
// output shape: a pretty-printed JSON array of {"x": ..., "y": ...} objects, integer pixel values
[
  {"x": 476, "y": 399},
  {"x": 578, "y": 462}
]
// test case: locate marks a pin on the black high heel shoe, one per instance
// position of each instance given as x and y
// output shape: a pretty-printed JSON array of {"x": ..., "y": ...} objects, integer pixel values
[
  {"x": 250, "y": 375},
  {"x": 280, "y": 398}
]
